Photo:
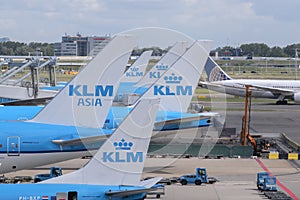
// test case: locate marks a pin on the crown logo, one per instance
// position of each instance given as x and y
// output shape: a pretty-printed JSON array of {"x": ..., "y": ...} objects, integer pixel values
[
  {"x": 173, "y": 79},
  {"x": 123, "y": 145},
  {"x": 162, "y": 67},
  {"x": 134, "y": 69}
]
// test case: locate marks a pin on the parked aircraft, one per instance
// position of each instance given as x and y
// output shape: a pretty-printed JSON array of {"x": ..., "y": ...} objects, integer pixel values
[
  {"x": 282, "y": 90},
  {"x": 175, "y": 88},
  {"x": 65, "y": 128},
  {"x": 78, "y": 111},
  {"x": 113, "y": 173},
  {"x": 175, "y": 94}
]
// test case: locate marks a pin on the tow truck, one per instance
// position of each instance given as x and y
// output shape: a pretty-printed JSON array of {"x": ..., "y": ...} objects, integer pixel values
[
  {"x": 54, "y": 172},
  {"x": 198, "y": 178}
]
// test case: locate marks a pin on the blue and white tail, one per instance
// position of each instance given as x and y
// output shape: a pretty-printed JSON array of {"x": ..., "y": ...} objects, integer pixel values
[
  {"x": 137, "y": 70},
  {"x": 86, "y": 99},
  {"x": 163, "y": 64},
  {"x": 176, "y": 86},
  {"x": 120, "y": 160},
  {"x": 214, "y": 71}
]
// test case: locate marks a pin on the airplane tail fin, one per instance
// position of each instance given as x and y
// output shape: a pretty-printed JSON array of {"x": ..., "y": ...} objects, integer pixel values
[
  {"x": 176, "y": 86},
  {"x": 163, "y": 64},
  {"x": 86, "y": 99},
  {"x": 206, "y": 44},
  {"x": 214, "y": 71},
  {"x": 137, "y": 70},
  {"x": 120, "y": 160}
]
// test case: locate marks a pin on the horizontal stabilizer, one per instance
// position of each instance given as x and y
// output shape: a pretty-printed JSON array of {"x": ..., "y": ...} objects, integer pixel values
[
  {"x": 150, "y": 182},
  {"x": 81, "y": 141},
  {"x": 123, "y": 193}
]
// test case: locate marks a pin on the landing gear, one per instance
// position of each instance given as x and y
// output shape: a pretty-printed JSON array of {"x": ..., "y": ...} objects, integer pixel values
[{"x": 282, "y": 102}]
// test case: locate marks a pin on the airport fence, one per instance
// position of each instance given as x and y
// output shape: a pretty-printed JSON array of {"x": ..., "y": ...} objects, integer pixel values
[{"x": 201, "y": 150}]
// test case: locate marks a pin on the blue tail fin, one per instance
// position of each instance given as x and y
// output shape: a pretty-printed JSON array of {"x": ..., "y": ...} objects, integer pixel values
[{"x": 214, "y": 71}]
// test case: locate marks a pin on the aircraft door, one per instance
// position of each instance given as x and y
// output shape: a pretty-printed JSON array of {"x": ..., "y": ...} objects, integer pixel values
[
  {"x": 72, "y": 195},
  {"x": 61, "y": 195},
  {"x": 67, "y": 196},
  {"x": 13, "y": 146}
]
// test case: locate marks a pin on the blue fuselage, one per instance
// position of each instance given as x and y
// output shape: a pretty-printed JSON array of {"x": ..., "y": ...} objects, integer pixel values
[
  {"x": 31, "y": 137},
  {"x": 115, "y": 116},
  {"x": 25, "y": 145},
  {"x": 63, "y": 191}
]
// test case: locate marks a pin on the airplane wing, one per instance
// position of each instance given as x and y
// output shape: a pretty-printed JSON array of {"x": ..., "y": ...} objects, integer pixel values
[
  {"x": 79, "y": 141},
  {"x": 211, "y": 84},
  {"x": 281, "y": 91},
  {"x": 182, "y": 120},
  {"x": 122, "y": 193},
  {"x": 276, "y": 91}
]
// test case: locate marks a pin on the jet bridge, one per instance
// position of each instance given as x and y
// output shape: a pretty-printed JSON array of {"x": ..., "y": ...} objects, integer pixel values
[
  {"x": 15, "y": 89},
  {"x": 15, "y": 71},
  {"x": 51, "y": 63}
]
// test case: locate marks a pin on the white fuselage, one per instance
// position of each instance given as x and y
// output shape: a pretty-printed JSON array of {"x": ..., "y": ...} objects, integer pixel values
[
  {"x": 9, "y": 163},
  {"x": 237, "y": 87}
]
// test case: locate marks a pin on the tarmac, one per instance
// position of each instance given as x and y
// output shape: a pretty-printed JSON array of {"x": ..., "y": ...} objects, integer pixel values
[
  {"x": 236, "y": 177},
  {"x": 265, "y": 117}
]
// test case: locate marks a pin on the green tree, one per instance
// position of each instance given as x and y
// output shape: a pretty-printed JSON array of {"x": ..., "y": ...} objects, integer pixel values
[
  {"x": 277, "y": 52},
  {"x": 290, "y": 50},
  {"x": 257, "y": 49}
]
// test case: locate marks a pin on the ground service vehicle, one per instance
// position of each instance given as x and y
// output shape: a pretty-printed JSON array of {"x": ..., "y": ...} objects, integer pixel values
[
  {"x": 260, "y": 179},
  {"x": 198, "y": 178},
  {"x": 265, "y": 182},
  {"x": 54, "y": 172}
]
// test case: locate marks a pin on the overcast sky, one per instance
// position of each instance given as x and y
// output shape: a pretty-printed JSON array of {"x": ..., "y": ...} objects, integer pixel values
[{"x": 226, "y": 22}]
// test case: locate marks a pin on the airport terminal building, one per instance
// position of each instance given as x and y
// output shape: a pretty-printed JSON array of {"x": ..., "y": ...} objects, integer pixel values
[{"x": 80, "y": 45}]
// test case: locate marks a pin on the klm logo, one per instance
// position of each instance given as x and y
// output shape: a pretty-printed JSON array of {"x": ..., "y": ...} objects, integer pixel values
[
  {"x": 157, "y": 74},
  {"x": 133, "y": 72},
  {"x": 173, "y": 79},
  {"x": 90, "y": 96},
  {"x": 123, "y": 153},
  {"x": 171, "y": 88},
  {"x": 98, "y": 90},
  {"x": 162, "y": 67}
]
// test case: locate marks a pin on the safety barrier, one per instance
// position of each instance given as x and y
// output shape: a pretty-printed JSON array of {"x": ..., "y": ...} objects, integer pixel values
[
  {"x": 293, "y": 156},
  {"x": 273, "y": 155}
]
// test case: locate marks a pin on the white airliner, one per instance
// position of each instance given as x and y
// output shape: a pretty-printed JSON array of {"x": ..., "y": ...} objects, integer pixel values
[
  {"x": 113, "y": 173},
  {"x": 282, "y": 90}
]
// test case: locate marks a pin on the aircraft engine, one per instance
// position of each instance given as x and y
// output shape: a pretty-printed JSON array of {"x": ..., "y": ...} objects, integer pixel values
[{"x": 297, "y": 97}]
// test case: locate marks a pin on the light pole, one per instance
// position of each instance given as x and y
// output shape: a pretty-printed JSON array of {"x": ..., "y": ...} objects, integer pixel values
[
  {"x": 266, "y": 66},
  {"x": 296, "y": 65}
]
